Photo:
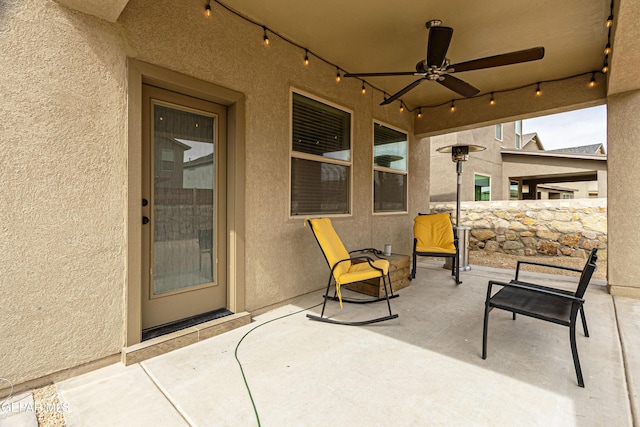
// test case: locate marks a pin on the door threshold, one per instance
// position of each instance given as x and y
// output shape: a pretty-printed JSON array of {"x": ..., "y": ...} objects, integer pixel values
[
  {"x": 168, "y": 328},
  {"x": 190, "y": 335}
]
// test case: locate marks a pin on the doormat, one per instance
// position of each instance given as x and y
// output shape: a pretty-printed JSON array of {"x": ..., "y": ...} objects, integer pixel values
[{"x": 167, "y": 328}]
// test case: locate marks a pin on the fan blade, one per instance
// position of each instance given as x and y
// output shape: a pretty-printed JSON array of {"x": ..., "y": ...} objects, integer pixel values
[
  {"x": 438, "y": 44},
  {"x": 461, "y": 87},
  {"x": 401, "y": 92},
  {"x": 526, "y": 55},
  {"x": 399, "y": 73}
]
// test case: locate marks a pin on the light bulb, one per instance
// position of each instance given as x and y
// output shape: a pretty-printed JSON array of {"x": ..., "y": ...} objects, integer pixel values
[
  {"x": 592, "y": 83},
  {"x": 419, "y": 113},
  {"x": 453, "y": 107},
  {"x": 364, "y": 89},
  {"x": 265, "y": 38},
  {"x": 538, "y": 90},
  {"x": 338, "y": 78},
  {"x": 607, "y": 49},
  {"x": 609, "y": 22},
  {"x": 306, "y": 57},
  {"x": 207, "y": 9},
  {"x": 492, "y": 101}
]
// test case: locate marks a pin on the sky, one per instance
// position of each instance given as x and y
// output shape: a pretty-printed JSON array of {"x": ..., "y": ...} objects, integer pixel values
[{"x": 571, "y": 129}]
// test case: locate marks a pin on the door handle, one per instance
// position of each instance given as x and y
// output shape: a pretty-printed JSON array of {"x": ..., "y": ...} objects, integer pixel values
[{"x": 145, "y": 220}]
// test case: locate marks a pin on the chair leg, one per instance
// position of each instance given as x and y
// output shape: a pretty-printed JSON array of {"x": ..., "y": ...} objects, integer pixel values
[
  {"x": 413, "y": 267},
  {"x": 514, "y": 315},
  {"x": 574, "y": 352},
  {"x": 584, "y": 322},
  {"x": 456, "y": 265},
  {"x": 484, "y": 330},
  {"x": 386, "y": 294},
  {"x": 326, "y": 297}
]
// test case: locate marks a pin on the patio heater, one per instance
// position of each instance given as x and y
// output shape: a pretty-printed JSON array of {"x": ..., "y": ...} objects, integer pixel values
[{"x": 460, "y": 154}]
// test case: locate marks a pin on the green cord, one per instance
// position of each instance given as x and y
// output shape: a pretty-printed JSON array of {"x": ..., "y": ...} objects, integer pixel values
[{"x": 244, "y": 378}]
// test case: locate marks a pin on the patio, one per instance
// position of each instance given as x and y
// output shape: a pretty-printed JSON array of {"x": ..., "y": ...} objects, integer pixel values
[{"x": 423, "y": 368}]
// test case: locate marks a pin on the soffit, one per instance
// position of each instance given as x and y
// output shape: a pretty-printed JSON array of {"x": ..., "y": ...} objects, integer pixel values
[
  {"x": 361, "y": 36},
  {"x": 105, "y": 9}
]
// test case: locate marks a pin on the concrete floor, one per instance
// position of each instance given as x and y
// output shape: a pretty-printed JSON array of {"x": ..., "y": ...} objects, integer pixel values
[{"x": 423, "y": 369}]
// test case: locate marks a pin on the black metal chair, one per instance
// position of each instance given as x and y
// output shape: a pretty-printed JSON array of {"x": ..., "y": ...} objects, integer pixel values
[
  {"x": 346, "y": 268},
  {"x": 544, "y": 303},
  {"x": 433, "y": 236}
]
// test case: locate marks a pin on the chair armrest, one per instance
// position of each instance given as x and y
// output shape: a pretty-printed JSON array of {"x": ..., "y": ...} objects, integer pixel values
[
  {"x": 534, "y": 288},
  {"x": 363, "y": 257},
  {"x": 542, "y": 264},
  {"x": 374, "y": 251}
]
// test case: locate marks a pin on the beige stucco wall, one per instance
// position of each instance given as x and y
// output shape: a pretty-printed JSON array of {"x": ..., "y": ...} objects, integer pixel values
[
  {"x": 62, "y": 172},
  {"x": 623, "y": 134},
  {"x": 64, "y": 166}
]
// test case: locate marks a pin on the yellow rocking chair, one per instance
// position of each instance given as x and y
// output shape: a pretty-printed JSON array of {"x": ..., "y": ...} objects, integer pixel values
[{"x": 346, "y": 269}]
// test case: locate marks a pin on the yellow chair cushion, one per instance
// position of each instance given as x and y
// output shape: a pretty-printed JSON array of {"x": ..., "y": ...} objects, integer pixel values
[
  {"x": 362, "y": 271},
  {"x": 434, "y": 233},
  {"x": 331, "y": 245}
]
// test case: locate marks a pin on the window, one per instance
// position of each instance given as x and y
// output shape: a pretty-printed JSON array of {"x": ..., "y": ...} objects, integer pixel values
[
  {"x": 513, "y": 190},
  {"x": 168, "y": 160},
  {"x": 389, "y": 169},
  {"x": 482, "y": 187},
  {"x": 499, "y": 132},
  {"x": 320, "y": 158},
  {"x": 518, "y": 133}
]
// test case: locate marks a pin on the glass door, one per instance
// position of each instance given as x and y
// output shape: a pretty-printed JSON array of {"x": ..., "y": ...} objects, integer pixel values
[{"x": 183, "y": 199}]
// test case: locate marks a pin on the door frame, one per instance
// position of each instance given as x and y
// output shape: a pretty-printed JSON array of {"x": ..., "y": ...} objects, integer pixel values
[{"x": 139, "y": 72}]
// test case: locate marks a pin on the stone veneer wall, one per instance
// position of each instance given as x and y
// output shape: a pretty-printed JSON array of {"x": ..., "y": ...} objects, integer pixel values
[{"x": 534, "y": 227}]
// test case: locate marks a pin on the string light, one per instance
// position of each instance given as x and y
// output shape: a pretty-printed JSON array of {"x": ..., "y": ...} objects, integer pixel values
[
  {"x": 607, "y": 49},
  {"x": 419, "y": 113},
  {"x": 453, "y": 106},
  {"x": 605, "y": 67},
  {"x": 592, "y": 83},
  {"x": 609, "y": 21},
  {"x": 265, "y": 38},
  {"x": 364, "y": 89},
  {"x": 207, "y": 9},
  {"x": 492, "y": 101},
  {"x": 538, "y": 90},
  {"x": 338, "y": 78},
  {"x": 401, "y": 107},
  {"x": 306, "y": 57}
]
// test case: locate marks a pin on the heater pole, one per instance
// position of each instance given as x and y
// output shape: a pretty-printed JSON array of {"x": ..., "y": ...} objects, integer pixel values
[{"x": 459, "y": 172}]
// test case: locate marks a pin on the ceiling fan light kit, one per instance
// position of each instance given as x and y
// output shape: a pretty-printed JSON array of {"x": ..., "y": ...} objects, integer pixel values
[{"x": 436, "y": 66}]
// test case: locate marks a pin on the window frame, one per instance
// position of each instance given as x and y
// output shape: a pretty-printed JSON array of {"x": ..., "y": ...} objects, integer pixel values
[
  {"x": 388, "y": 170},
  {"x": 501, "y": 127},
  {"x": 313, "y": 157},
  {"x": 474, "y": 186},
  {"x": 518, "y": 132}
]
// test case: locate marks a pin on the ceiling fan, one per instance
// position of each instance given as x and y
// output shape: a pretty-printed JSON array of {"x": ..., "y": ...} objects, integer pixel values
[{"x": 436, "y": 67}]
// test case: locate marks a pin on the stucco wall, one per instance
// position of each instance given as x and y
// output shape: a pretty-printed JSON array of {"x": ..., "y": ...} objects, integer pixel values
[
  {"x": 227, "y": 51},
  {"x": 62, "y": 171},
  {"x": 64, "y": 167}
]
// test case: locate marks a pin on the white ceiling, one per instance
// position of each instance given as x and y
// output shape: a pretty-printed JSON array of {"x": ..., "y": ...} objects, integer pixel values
[{"x": 365, "y": 36}]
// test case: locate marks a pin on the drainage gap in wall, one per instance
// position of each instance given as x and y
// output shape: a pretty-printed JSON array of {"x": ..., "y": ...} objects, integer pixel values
[{"x": 167, "y": 328}]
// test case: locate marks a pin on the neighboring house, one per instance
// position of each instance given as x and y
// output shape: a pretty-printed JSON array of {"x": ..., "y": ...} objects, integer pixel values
[{"x": 516, "y": 166}]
